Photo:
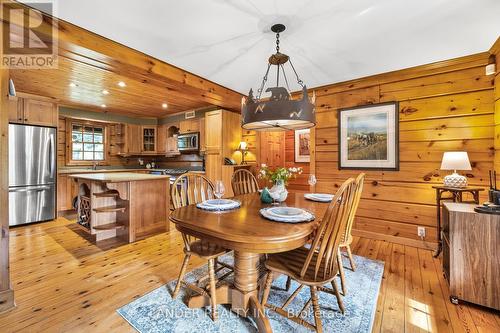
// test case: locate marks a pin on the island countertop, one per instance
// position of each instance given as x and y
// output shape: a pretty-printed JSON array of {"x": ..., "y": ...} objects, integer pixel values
[{"x": 117, "y": 177}]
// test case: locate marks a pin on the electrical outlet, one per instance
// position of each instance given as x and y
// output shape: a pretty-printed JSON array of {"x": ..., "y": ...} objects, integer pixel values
[{"x": 421, "y": 232}]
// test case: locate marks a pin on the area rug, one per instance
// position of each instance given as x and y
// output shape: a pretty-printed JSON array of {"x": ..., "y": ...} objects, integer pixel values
[{"x": 158, "y": 312}]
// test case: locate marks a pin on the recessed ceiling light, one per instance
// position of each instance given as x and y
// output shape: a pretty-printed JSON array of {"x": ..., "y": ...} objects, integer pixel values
[
  {"x": 164, "y": 105},
  {"x": 72, "y": 84},
  {"x": 105, "y": 92},
  {"x": 103, "y": 106},
  {"x": 122, "y": 84}
]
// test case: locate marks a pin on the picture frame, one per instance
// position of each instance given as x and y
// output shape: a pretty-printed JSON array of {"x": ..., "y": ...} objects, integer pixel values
[
  {"x": 303, "y": 146},
  {"x": 369, "y": 137}
]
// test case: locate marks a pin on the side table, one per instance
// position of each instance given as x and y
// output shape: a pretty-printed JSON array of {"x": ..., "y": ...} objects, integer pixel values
[{"x": 454, "y": 194}]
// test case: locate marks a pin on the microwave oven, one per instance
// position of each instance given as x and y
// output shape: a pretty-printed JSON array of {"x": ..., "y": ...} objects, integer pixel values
[{"x": 188, "y": 142}]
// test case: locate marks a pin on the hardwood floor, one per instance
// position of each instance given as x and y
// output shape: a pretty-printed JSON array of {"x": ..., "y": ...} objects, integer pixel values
[{"x": 64, "y": 283}]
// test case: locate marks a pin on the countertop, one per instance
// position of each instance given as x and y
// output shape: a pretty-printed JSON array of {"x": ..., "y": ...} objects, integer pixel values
[
  {"x": 117, "y": 177},
  {"x": 87, "y": 170},
  {"x": 70, "y": 171}
]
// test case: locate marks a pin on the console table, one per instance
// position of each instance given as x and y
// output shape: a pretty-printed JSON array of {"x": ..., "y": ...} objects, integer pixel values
[
  {"x": 455, "y": 194},
  {"x": 471, "y": 260}
]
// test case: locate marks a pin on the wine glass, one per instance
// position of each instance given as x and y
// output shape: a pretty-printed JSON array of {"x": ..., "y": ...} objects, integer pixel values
[
  {"x": 312, "y": 180},
  {"x": 219, "y": 191}
]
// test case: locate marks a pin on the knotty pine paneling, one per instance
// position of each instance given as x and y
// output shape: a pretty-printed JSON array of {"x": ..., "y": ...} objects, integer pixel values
[
  {"x": 441, "y": 109},
  {"x": 495, "y": 50},
  {"x": 301, "y": 182}
]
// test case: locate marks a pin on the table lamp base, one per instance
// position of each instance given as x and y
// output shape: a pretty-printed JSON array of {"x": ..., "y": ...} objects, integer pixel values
[{"x": 455, "y": 180}]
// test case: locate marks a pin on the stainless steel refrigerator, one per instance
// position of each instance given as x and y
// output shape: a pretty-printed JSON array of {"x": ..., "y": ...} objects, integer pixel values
[{"x": 32, "y": 174}]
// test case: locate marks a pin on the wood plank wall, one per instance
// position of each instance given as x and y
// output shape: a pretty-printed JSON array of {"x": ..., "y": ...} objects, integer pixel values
[
  {"x": 443, "y": 106},
  {"x": 495, "y": 50},
  {"x": 301, "y": 182}
]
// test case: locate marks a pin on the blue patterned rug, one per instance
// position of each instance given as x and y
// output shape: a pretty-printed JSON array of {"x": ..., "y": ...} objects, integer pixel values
[{"x": 158, "y": 312}]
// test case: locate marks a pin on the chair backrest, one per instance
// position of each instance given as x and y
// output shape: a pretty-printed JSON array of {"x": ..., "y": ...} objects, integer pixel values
[
  {"x": 329, "y": 233},
  {"x": 360, "y": 180},
  {"x": 191, "y": 188},
  {"x": 243, "y": 182}
]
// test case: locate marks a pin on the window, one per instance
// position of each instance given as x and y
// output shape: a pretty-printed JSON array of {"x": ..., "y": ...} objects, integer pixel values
[{"x": 87, "y": 142}]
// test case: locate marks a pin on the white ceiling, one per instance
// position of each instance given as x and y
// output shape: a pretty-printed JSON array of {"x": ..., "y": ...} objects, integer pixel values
[{"x": 328, "y": 41}]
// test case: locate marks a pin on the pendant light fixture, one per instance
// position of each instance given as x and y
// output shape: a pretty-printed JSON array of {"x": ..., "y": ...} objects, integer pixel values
[{"x": 278, "y": 112}]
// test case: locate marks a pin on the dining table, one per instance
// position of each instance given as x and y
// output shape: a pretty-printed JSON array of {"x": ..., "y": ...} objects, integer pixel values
[{"x": 245, "y": 231}]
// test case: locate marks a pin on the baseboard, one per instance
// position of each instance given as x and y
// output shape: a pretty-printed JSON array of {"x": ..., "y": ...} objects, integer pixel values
[
  {"x": 6, "y": 300},
  {"x": 395, "y": 239}
]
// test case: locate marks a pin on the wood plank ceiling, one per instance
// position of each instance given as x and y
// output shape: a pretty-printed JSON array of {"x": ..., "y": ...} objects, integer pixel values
[{"x": 94, "y": 63}]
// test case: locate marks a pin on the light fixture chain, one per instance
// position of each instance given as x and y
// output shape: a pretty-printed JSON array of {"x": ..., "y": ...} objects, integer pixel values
[
  {"x": 264, "y": 80},
  {"x": 284, "y": 75},
  {"x": 277, "y": 43},
  {"x": 299, "y": 81}
]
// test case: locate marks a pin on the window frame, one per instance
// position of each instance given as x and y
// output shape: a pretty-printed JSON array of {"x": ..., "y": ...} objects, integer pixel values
[{"x": 69, "y": 142}]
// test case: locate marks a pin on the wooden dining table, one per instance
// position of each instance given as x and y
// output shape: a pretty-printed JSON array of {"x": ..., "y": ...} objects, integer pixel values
[{"x": 251, "y": 236}]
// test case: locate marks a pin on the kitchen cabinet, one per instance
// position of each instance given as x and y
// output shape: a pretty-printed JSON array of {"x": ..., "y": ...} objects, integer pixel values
[
  {"x": 149, "y": 139},
  {"x": 202, "y": 135},
  {"x": 32, "y": 111},
  {"x": 161, "y": 139},
  {"x": 222, "y": 137},
  {"x": 171, "y": 149},
  {"x": 189, "y": 125},
  {"x": 67, "y": 189},
  {"x": 133, "y": 140}
]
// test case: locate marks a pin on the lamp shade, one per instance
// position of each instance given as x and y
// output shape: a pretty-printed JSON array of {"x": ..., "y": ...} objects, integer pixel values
[{"x": 455, "y": 160}]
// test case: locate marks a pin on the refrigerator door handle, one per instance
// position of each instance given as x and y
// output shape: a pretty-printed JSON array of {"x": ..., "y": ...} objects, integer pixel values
[
  {"x": 51, "y": 157},
  {"x": 30, "y": 189}
]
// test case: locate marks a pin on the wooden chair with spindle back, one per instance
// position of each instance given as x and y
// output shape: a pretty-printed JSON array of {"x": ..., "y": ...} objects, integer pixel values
[
  {"x": 315, "y": 265},
  {"x": 345, "y": 242},
  {"x": 193, "y": 188},
  {"x": 243, "y": 182}
]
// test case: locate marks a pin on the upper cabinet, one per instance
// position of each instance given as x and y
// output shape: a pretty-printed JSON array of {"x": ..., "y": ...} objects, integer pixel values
[
  {"x": 133, "y": 142},
  {"x": 161, "y": 139},
  {"x": 189, "y": 125},
  {"x": 32, "y": 111},
  {"x": 149, "y": 139}
]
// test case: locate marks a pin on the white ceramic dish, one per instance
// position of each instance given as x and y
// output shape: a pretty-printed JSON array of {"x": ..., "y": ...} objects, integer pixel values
[{"x": 320, "y": 197}]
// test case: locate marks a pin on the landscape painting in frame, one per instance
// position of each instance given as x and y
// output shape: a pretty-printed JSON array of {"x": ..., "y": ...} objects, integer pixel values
[
  {"x": 368, "y": 137},
  {"x": 302, "y": 145}
]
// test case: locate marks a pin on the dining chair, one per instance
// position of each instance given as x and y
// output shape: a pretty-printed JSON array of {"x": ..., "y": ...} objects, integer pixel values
[
  {"x": 316, "y": 265},
  {"x": 192, "y": 188},
  {"x": 346, "y": 240},
  {"x": 243, "y": 182}
]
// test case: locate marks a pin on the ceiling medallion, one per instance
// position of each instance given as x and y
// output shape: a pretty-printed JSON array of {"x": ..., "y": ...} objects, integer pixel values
[{"x": 278, "y": 112}]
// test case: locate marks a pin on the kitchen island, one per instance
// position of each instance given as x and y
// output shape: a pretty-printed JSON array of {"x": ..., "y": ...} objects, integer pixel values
[{"x": 124, "y": 205}]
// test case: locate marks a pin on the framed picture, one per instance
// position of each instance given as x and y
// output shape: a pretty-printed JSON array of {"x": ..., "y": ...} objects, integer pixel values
[
  {"x": 302, "y": 145},
  {"x": 369, "y": 137}
]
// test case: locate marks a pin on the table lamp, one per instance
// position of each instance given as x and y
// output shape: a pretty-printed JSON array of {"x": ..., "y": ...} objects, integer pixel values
[
  {"x": 243, "y": 147},
  {"x": 455, "y": 160}
]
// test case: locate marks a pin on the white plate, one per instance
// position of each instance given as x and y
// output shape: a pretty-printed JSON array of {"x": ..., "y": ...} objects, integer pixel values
[
  {"x": 304, "y": 217},
  {"x": 218, "y": 202},
  {"x": 286, "y": 211},
  {"x": 321, "y": 197}
]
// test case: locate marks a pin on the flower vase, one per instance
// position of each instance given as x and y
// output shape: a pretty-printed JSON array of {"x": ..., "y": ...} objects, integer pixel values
[{"x": 279, "y": 186}]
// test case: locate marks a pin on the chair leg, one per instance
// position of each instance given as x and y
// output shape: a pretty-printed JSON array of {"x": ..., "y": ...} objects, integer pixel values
[
  {"x": 340, "y": 301},
  {"x": 181, "y": 275},
  {"x": 341, "y": 272},
  {"x": 316, "y": 310},
  {"x": 288, "y": 283},
  {"x": 267, "y": 288},
  {"x": 351, "y": 259},
  {"x": 213, "y": 290}
]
